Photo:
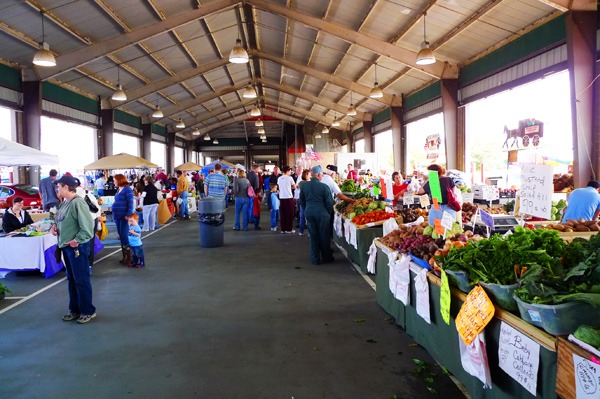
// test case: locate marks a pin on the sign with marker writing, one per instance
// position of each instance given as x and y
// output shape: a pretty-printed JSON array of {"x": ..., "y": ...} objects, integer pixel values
[
  {"x": 448, "y": 220},
  {"x": 537, "y": 187},
  {"x": 475, "y": 313},
  {"x": 468, "y": 197},
  {"x": 424, "y": 200},
  {"x": 587, "y": 378},
  {"x": 519, "y": 357},
  {"x": 408, "y": 199},
  {"x": 445, "y": 298}
]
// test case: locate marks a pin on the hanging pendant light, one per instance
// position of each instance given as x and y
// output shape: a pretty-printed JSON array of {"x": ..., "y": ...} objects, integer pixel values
[
  {"x": 426, "y": 55},
  {"x": 206, "y": 137},
  {"x": 255, "y": 111},
  {"x": 261, "y": 130},
  {"x": 336, "y": 121},
  {"x": 43, "y": 56},
  {"x": 351, "y": 110},
  {"x": 119, "y": 94},
  {"x": 180, "y": 124},
  {"x": 196, "y": 132},
  {"x": 259, "y": 123},
  {"x": 263, "y": 136},
  {"x": 325, "y": 130},
  {"x": 238, "y": 54},
  {"x": 157, "y": 113},
  {"x": 215, "y": 141},
  {"x": 318, "y": 135},
  {"x": 376, "y": 91},
  {"x": 249, "y": 92},
  {"x": 264, "y": 140}
]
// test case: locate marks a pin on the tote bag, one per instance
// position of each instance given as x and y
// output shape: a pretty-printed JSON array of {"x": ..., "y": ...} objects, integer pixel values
[
  {"x": 452, "y": 200},
  {"x": 251, "y": 193}
]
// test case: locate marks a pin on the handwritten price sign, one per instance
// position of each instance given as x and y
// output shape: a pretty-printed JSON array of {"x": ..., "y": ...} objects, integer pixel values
[
  {"x": 587, "y": 378},
  {"x": 519, "y": 356},
  {"x": 474, "y": 315}
]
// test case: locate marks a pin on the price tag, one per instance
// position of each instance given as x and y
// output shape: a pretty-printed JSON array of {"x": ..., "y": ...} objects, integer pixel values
[
  {"x": 468, "y": 197},
  {"x": 518, "y": 356},
  {"x": 587, "y": 377},
  {"x": 486, "y": 218},
  {"x": 409, "y": 199},
  {"x": 447, "y": 220},
  {"x": 445, "y": 298},
  {"x": 437, "y": 226},
  {"x": 436, "y": 205},
  {"x": 474, "y": 315},
  {"x": 424, "y": 201}
]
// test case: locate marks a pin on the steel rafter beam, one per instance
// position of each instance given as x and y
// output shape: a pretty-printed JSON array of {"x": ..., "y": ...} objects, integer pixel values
[
  {"x": 242, "y": 117},
  {"x": 219, "y": 111},
  {"x": 69, "y": 61},
  {"x": 439, "y": 70},
  {"x": 573, "y": 5}
]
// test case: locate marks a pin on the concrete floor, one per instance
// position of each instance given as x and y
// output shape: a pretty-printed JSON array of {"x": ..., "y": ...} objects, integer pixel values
[{"x": 251, "y": 319}]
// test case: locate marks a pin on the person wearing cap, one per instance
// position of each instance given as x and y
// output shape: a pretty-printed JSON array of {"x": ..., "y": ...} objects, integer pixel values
[
  {"x": 182, "y": 193},
  {"x": 48, "y": 191},
  {"x": 75, "y": 228},
  {"x": 584, "y": 203},
  {"x": 317, "y": 201},
  {"x": 122, "y": 207}
]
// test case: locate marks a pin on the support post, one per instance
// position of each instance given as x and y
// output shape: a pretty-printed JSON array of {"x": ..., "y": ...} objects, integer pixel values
[{"x": 450, "y": 109}]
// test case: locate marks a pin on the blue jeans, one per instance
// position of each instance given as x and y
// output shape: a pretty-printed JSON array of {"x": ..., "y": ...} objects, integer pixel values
[
  {"x": 122, "y": 230},
  {"x": 302, "y": 221},
  {"x": 78, "y": 275},
  {"x": 183, "y": 208},
  {"x": 138, "y": 254},
  {"x": 241, "y": 207},
  {"x": 100, "y": 192},
  {"x": 274, "y": 217}
]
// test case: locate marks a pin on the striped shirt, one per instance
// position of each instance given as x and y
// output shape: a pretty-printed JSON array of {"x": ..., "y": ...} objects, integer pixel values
[{"x": 216, "y": 183}]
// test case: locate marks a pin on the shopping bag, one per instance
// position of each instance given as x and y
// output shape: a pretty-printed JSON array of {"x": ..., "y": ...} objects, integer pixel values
[
  {"x": 163, "y": 212},
  {"x": 103, "y": 232}
]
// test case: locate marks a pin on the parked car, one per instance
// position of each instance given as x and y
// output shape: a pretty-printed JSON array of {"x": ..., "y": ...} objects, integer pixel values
[{"x": 30, "y": 194}]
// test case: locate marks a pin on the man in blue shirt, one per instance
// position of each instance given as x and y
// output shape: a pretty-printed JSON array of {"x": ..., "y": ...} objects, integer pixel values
[
  {"x": 216, "y": 184},
  {"x": 48, "y": 191},
  {"x": 584, "y": 203}
]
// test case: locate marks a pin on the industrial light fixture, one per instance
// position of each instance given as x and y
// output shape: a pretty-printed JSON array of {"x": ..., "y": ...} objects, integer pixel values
[
  {"x": 196, "y": 132},
  {"x": 264, "y": 140},
  {"x": 318, "y": 135},
  {"x": 238, "y": 54},
  {"x": 215, "y": 141},
  {"x": 259, "y": 123},
  {"x": 157, "y": 113},
  {"x": 180, "y": 124},
  {"x": 119, "y": 94},
  {"x": 261, "y": 130},
  {"x": 43, "y": 56},
  {"x": 206, "y": 137},
  {"x": 249, "y": 92},
  {"x": 376, "y": 91},
  {"x": 425, "y": 56},
  {"x": 255, "y": 111},
  {"x": 351, "y": 110},
  {"x": 263, "y": 136},
  {"x": 336, "y": 121},
  {"x": 325, "y": 130}
]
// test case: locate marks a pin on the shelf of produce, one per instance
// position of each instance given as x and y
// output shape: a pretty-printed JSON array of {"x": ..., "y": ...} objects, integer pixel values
[
  {"x": 565, "y": 386},
  {"x": 441, "y": 339}
]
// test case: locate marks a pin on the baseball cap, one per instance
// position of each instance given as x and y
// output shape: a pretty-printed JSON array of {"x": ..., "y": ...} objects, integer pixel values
[
  {"x": 69, "y": 181},
  {"x": 317, "y": 169}
]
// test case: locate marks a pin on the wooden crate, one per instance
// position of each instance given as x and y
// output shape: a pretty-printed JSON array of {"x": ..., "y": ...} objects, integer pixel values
[{"x": 565, "y": 372}]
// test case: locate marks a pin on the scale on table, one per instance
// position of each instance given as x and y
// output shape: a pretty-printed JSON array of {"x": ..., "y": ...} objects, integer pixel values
[{"x": 498, "y": 224}]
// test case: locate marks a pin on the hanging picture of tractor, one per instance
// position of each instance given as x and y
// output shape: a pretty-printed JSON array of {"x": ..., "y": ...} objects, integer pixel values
[{"x": 529, "y": 131}]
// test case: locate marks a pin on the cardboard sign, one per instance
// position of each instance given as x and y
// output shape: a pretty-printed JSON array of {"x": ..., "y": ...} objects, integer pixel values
[
  {"x": 537, "y": 187},
  {"x": 474, "y": 315},
  {"x": 486, "y": 218},
  {"x": 408, "y": 199},
  {"x": 445, "y": 298},
  {"x": 519, "y": 357},
  {"x": 434, "y": 185},
  {"x": 447, "y": 220},
  {"x": 424, "y": 201},
  {"x": 587, "y": 378}
]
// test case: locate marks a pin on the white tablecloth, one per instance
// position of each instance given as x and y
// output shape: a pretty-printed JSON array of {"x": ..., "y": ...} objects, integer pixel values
[{"x": 25, "y": 253}]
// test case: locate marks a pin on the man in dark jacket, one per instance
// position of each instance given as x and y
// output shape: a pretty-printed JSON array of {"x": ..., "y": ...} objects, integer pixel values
[{"x": 317, "y": 201}]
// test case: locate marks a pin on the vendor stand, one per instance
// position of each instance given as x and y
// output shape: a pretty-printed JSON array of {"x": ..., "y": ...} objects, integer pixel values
[{"x": 25, "y": 253}]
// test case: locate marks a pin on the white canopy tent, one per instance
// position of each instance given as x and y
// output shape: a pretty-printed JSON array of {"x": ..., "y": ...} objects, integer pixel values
[{"x": 15, "y": 154}]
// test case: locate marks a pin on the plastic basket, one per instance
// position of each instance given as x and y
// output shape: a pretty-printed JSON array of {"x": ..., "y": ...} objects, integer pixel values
[
  {"x": 502, "y": 295},
  {"x": 460, "y": 279}
]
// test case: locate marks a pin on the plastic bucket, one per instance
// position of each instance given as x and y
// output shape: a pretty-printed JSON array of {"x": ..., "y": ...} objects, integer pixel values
[
  {"x": 460, "y": 279},
  {"x": 502, "y": 295}
]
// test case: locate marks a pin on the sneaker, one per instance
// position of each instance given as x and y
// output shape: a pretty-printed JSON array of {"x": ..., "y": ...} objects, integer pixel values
[
  {"x": 145, "y": 230},
  {"x": 300, "y": 233},
  {"x": 84, "y": 318},
  {"x": 292, "y": 232},
  {"x": 71, "y": 316},
  {"x": 140, "y": 265},
  {"x": 273, "y": 228}
]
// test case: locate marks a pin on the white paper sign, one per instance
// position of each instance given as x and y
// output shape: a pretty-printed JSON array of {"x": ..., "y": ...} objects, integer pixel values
[
  {"x": 536, "y": 190},
  {"x": 587, "y": 378},
  {"x": 519, "y": 356},
  {"x": 467, "y": 197},
  {"x": 422, "y": 291},
  {"x": 371, "y": 263},
  {"x": 424, "y": 201},
  {"x": 401, "y": 273},
  {"x": 408, "y": 199},
  {"x": 447, "y": 220},
  {"x": 352, "y": 235},
  {"x": 474, "y": 361}
]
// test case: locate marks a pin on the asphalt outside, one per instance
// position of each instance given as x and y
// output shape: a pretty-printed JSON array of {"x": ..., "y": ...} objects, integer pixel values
[{"x": 250, "y": 319}]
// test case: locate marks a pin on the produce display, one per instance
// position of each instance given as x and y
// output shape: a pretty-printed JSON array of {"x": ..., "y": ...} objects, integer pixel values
[
  {"x": 372, "y": 216},
  {"x": 410, "y": 215},
  {"x": 563, "y": 183},
  {"x": 468, "y": 210},
  {"x": 358, "y": 210},
  {"x": 557, "y": 208},
  {"x": 570, "y": 226},
  {"x": 347, "y": 207},
  {"x": 589, "y": 335}
]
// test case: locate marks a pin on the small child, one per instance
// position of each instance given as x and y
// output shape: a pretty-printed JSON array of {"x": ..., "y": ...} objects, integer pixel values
[
  {"x": 274, "y": 197},
  {"x": 135, "y": 242}
]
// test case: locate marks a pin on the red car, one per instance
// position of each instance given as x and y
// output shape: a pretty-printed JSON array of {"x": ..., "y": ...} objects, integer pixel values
[{"x": 30, "y": 194}]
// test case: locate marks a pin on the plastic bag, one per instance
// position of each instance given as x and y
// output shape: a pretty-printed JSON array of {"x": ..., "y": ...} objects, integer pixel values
[
  {"x": 103, "y": 232},
  {"x": 212, "y": 219}
]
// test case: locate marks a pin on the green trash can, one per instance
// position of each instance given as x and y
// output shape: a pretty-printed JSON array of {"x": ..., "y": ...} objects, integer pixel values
[{"x": 211, "y": 216}]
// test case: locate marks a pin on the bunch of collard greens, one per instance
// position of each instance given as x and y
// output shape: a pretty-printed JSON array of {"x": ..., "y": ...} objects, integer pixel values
[
  {"x": 575, "y": 278},
  {"x": 494, "y": 260}
]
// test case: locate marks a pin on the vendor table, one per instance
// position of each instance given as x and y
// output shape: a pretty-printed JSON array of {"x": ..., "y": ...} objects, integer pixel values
[
  {"x": 29, "y": 253},
  {"x": 441, "y": 339},
  {"x": 364, "y": 239}
]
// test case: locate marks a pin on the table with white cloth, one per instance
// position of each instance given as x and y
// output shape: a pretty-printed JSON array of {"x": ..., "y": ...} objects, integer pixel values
[{"x": 29, "y": 253}]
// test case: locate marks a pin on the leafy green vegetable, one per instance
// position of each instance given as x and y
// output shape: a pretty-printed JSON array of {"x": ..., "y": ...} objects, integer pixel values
[{"x": 589, "y": 335}]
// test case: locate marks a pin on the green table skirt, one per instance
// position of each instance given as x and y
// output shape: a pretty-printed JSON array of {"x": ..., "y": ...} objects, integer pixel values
[
  {"x": 441, "y": 341},
  {"x": 364, "y": 239}
]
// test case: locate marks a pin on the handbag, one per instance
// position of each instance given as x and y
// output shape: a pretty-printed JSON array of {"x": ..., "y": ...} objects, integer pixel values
[
  {"x": 103, "y": 232},
  {"x": 452, "y": 200},
  {"x": 251, "y": 193},
  {"x": 93, "y": 208}
]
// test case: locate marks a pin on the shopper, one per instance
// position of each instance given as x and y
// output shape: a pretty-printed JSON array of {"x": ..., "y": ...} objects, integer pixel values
[
  {"x": 240, "y": 193},
  {"x": 216, "y": 184},
  {"x": 48, "y": 191},
  {"x": 302, "y": 179},
  {"x": 15, "y": 217},
  {"x": 135, "y": 242},
  {"x": 317, "y": 201},
  {"x": 584, "y": 203},
  {"x": 150, "y": 204},
  {"x": 122, "y": 207},
  {"x": 254, "y": 179},
  {"x": 446, "y": 183},
  {"x": 286, "y": 199},
  {"x": 74, "y": 228},
  {"x": 100, "y": 184},
  {"x": 182, "y": 193},
  {"x": 274, "y": 212}
]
